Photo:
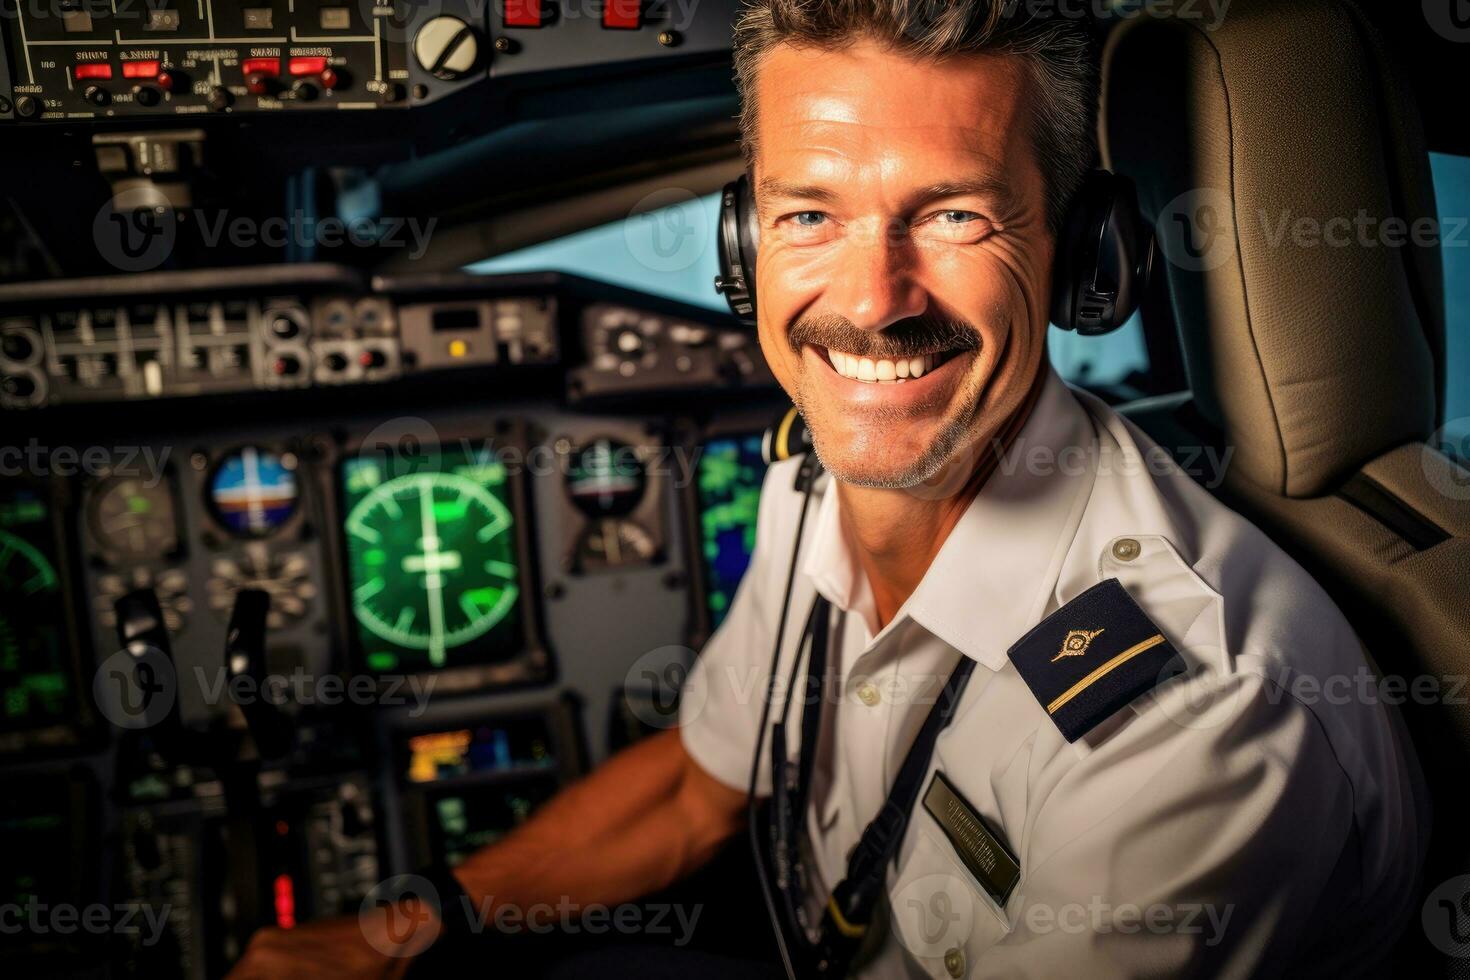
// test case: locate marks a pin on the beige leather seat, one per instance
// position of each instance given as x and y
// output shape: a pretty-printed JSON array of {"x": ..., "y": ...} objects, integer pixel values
[{"x": 1314, "y": 351}]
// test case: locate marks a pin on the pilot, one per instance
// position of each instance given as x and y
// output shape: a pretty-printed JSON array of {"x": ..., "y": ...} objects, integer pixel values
[{"x": 1039, "y": 705}]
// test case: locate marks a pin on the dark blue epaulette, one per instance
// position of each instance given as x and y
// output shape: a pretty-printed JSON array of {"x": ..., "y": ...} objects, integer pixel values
[{"x": 1092, "y": 657}]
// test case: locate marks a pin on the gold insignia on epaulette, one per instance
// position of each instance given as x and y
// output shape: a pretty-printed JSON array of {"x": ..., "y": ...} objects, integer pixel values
[{"x": 1076, "y": 643}]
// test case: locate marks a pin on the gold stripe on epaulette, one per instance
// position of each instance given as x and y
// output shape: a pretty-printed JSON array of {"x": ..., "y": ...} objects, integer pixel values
[{"x": 1092, "y": 678}]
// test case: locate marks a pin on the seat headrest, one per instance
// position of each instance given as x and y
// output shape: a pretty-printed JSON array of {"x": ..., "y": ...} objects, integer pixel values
[{"x": 1280, "y": 155}]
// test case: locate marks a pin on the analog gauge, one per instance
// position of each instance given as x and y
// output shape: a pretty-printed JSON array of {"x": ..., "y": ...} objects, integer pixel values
[
  {"x": 171, "y": 586},
  {"x": 606, "y": 478},
  {"x": 284, "y": 576},
  {"x": 133, "y": 518},
  {"x": 433, "y": 562},
  {"x": 253, "y": 492},
  {"x": 613, "y": 543}
]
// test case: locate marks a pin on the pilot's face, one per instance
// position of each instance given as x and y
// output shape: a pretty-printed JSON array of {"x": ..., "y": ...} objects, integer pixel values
[{"x": 904, "y": 255}]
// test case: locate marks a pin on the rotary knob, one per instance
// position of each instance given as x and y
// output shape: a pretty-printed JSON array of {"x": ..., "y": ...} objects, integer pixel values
[{"x": 446, "y": 47}]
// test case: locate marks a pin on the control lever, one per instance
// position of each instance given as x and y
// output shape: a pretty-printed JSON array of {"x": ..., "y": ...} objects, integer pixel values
[
  {"x": 270, "y": 727},
  {"x": 147, "y": 698}
]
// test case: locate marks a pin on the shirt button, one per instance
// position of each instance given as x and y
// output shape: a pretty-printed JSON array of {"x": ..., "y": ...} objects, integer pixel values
[
  {"x": 868, "y": 694},
  {"x": 954, "y": 961},
  {"x": 1126, "y": 549}
]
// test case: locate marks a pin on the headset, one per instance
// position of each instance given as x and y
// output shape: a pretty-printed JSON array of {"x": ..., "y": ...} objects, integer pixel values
[{"x": 1104, "y": 260}]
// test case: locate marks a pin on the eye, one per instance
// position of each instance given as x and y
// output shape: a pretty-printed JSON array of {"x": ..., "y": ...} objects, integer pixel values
[
  {"x": 955, "y": 226},
  {"x": 807, "y": 227}
]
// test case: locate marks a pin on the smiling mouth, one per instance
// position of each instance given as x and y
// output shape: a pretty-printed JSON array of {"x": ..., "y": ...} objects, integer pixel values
[{"x": 884, "y": 370}]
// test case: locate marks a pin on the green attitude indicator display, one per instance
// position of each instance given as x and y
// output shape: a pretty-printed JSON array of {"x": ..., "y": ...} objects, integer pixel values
[
  {"x": 35, "y": 689},
  {"x": 432, "y": 561}
]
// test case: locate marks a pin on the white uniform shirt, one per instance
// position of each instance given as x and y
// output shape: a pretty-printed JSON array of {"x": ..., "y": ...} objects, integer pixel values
[{"x": 1261, "y": 815}]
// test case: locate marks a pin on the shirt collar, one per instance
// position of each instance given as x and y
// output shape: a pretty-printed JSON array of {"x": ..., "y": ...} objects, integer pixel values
[{"x": 996, "y": 572}]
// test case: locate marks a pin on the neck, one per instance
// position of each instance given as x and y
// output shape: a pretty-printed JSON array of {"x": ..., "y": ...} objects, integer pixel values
[{"x": 897, "y": 533}]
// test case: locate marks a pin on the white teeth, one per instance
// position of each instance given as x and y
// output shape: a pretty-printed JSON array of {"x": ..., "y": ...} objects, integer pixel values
[{"x": 882, "y": 370}]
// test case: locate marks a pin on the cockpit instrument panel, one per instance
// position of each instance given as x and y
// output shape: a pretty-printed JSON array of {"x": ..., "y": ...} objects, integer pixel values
[{"x": 435, "y": 577}]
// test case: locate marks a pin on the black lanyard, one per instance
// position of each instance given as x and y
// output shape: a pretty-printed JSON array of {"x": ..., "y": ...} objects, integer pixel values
[{"x": 829, "y": 946}]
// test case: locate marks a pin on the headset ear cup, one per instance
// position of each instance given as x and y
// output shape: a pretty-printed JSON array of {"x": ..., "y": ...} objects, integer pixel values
[
  {"x": 1101, "y": 253},
  {"x": 737, "y": 238}
]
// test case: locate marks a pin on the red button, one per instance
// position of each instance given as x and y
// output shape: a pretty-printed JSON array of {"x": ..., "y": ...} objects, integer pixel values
[
  {"x": 261, "y": 66},
  {"x": 623, "y": 15},
  {"x": 140, "y": 69},
  {"x": 522, "y": 13},
  {"x": 93, "y": 70},
  {"x": 307, "y": 66}
]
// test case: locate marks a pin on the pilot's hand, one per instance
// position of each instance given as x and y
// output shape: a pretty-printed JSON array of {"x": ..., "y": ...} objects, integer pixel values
[{"x": 377, "y": 945}]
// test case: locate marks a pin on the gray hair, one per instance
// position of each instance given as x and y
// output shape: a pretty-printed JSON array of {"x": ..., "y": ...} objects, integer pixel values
[{"x": 1057, "y": 48}]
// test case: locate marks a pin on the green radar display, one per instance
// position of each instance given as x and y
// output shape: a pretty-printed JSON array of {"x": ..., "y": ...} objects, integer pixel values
[
  {"x": 431, "y": 553},
  {"x": 35, "y": 684},
  {"x": 731, "y": 472}
]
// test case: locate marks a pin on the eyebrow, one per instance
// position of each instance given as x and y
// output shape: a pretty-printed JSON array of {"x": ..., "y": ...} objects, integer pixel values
[
  {"x": 776, "y": 187},
  {"x": 990, "y": 186}
]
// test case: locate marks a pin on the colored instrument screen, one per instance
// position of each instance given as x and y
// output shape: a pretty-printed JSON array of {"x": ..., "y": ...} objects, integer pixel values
[
  {"x": 504, "y": 746},
  {"x": 467, "y": 818},
  {"x": 35, "y": 680},
  {"x": 431, "y": 555},
  {"x": 731, "y": 471},
  {"x": 253, "y": 492}
]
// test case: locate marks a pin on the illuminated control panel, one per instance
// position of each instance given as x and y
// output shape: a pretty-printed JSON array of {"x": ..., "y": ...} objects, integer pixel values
[{"x": 70, "y": 59}]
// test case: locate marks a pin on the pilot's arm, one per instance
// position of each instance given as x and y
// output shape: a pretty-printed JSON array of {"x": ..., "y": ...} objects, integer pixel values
[{"x": 646, "y": 818}]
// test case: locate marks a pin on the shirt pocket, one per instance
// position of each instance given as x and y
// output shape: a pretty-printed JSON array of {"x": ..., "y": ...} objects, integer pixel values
[{"x": 941, "y": 915}]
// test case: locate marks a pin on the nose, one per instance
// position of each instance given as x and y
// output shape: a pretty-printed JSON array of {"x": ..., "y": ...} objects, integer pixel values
[{"x": 874, "y": 286}]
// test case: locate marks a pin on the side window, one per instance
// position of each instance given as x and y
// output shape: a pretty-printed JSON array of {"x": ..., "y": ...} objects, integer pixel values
[
  {"x": 1452, "y": 188},
  {"x": 670, "y": 251}
]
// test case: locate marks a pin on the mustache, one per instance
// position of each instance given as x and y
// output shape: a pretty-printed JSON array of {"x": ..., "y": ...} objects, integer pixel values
[{"x": 929, "y": 333}]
